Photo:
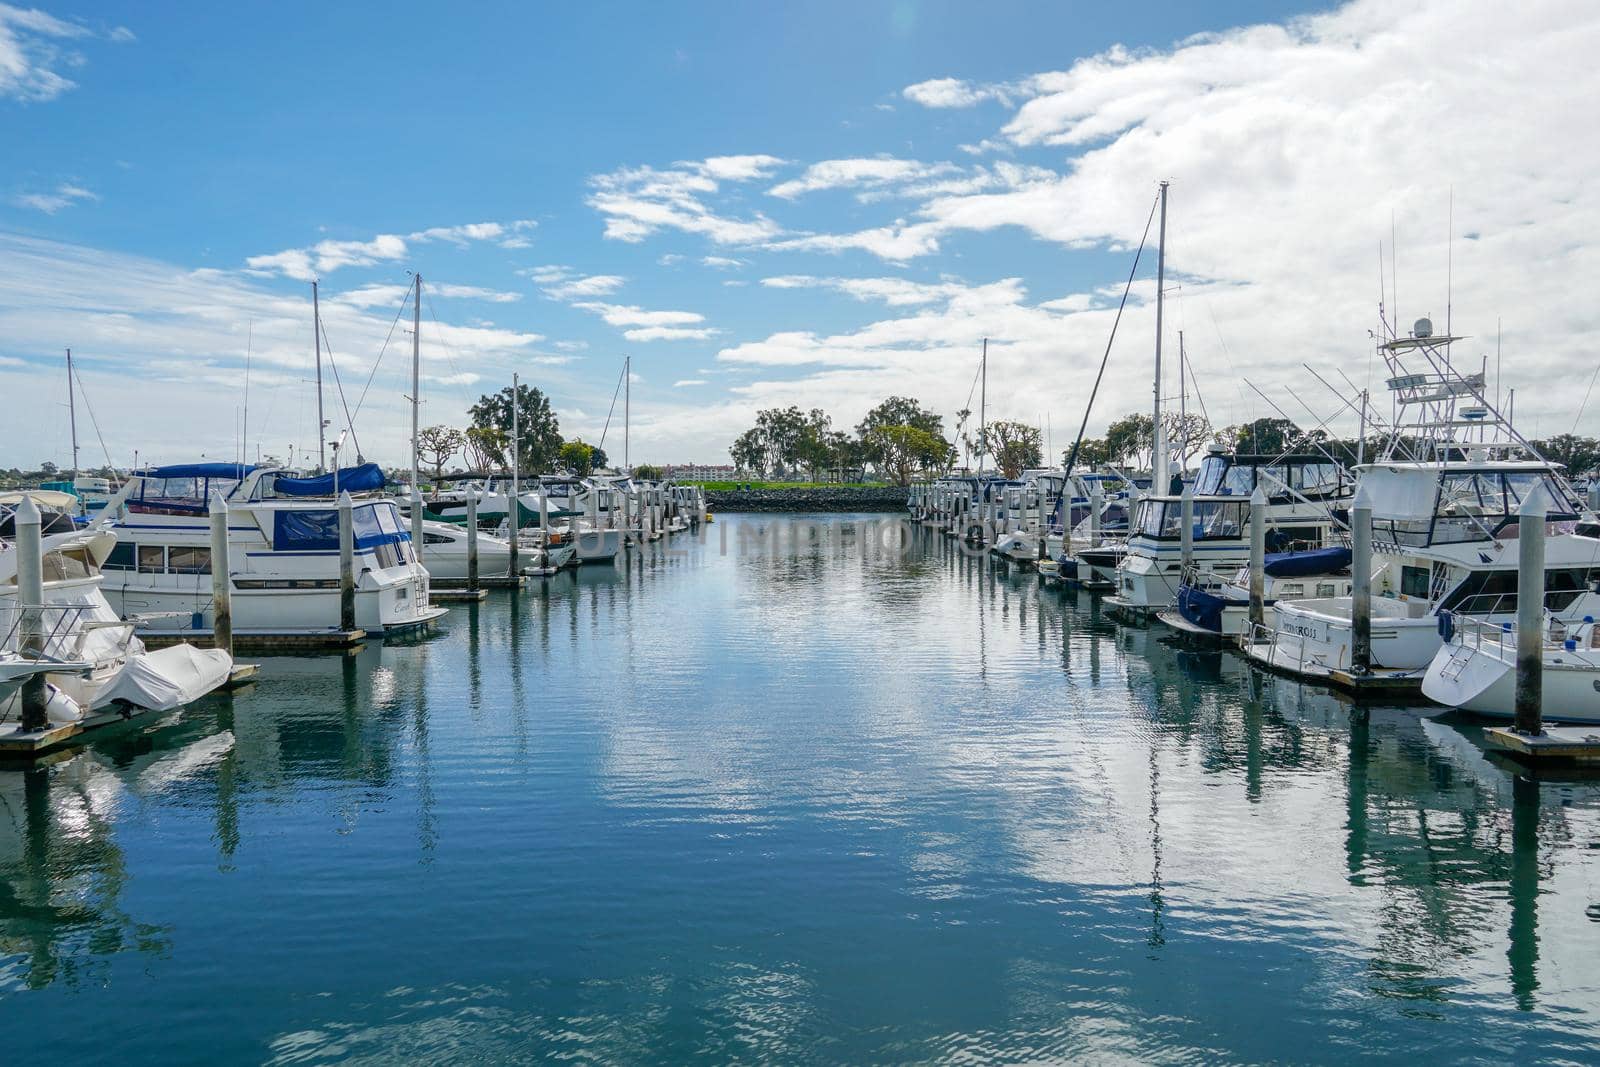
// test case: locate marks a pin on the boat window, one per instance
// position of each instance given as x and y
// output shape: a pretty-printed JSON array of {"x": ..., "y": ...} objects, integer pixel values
[
  {"x": 1327, "y": 589},
  {"x": 121, "y": 557},
  {"x": 1216, "y": 518},
  {"x": 1148, "y": 520},
  {"x": 1414, "y": 581},
  {"x": 1316, "y": 479},
  {"x": 59, "y": 566},
  {"x": 152, "y": 559},
  {"x": 436, "y": 539},
  {"x": 189, "y": 560}
]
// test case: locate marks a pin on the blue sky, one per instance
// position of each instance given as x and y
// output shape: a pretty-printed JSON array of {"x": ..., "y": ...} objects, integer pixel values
[{"x": 840, "y": 200}]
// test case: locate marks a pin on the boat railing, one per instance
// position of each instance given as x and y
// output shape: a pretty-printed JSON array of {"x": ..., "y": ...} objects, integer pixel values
[{"x": 61, "y": 641}]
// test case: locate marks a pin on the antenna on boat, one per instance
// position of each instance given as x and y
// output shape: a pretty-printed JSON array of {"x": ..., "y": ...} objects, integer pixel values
[
  {"x": 316, "y": 337},
  {"x": 627, "y": 403},
  {"x": 416, "y": 379},
  {"x": 983, "y": 407},
  {"x": 1449, "y": 262},
  {"x": 244, "y": 433},
  {"x": 1158, "y": 434},
  {"x": 72, "y": 414}
]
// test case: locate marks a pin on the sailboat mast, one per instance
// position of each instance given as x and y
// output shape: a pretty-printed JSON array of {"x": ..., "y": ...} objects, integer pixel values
[
  {"x": 72, "y": 414},
  {"x": 316, "y": 338},
  {"x": 627, "y": 402},
  {"x": 416, "y": 379},
  {"x": 1158, "y": 453},
  {"x": 516, "y": 464},
  {"x": 983, "y": 407},
  {"x": 1183, "y": 404}
]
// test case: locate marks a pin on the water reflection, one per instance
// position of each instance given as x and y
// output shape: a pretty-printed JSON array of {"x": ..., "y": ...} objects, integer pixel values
[{"x": 818, "y": 798}]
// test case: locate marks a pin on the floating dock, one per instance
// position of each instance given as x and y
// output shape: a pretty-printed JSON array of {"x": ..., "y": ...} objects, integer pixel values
[
  {"x": 1556, "y": 744},
  {"x": 499, "y": 581},
  {"x": 457, "y": 596},
  {"x": 259, "y": 640},
  {"x": 25, "y": 746}
]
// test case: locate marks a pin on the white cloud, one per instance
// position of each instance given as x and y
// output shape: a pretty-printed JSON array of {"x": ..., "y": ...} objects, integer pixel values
[
  {"x": 625, "y": 315},
  {"x": 895, "y": 292},
  {"x": 65, "y": 195},
  {"x": 853, "y": 173},
  {"x": 722, "y": 262},
  {"x": 31, "y": 53},
  {"x": 952, "y": 92},
  {"x": 592, "y": 285},
  {"x": 639, "y": 201},
  {"x": 670, "y": 333},
  {"x": 306, "y": 264},
  {"x": 685, "y": 382}
]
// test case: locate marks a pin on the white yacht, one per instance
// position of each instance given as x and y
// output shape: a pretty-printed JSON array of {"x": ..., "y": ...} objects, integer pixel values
[
  {"x": 1302, "y": 493},
  {"x": 91, "y": 660},
  {"x": 1476, "y": 669},
  {"x": 1445, "y": 496},
  {"x": 283, "y": 534}
]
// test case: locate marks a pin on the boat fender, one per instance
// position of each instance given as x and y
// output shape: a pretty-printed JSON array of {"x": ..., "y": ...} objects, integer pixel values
[
  {"x": 59, "y": 708},
  {"x": 1447, "y": 626}
]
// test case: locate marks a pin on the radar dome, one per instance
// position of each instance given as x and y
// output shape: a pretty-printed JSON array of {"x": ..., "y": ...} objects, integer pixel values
[{"x": 1423, "y": 328}]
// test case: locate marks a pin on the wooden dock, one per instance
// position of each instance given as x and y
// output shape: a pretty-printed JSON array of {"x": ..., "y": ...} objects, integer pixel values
[
  {"x": 1557, "y": 744},
  {"x": 500, "y": 581},
  {"x": 259, "y": 640},
  {"x": 457, "y": 596}
]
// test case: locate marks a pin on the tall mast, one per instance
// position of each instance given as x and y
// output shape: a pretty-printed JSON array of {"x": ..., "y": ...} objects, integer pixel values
[
  {"x": 316, "y": 337},
  {"x": 1158, "y": 453},
  {"x": 516, "y": 465},
  {"x": 627, "y": 399},
  {"x": 416, "y": 379},
  {"x": 72, "y": 413},
  {"x": 983, "y": 406}
]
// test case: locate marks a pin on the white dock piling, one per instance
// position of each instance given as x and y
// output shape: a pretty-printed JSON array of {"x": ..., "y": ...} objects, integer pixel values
[
  {"x": 1186, "y": 537},
  {"x": 472, "y": 541},
  {"x": 1529, "y": 711},
  {"x": 30, "y": 597},
  {"x": 1096, "y": 502},
  {"x": 1258, "y": 557},
  {"x": 221, "y": 577},
  {"x": 1361, "y": 583},
  {"x": 347, "y": 563}
]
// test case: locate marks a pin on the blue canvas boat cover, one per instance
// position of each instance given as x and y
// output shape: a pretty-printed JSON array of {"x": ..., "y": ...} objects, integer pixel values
[
  {"x": 1306, "y": 563},
  {"x": 362, "y": 479}
]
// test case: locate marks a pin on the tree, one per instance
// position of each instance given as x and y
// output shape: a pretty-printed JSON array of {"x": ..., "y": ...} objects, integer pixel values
[
  {"x": 1129, "y": 439},
  {"x": 647, "y": 472},
  {"x": 598, "y": 458},
  {"x": 1267, "y": 437},
  {"x": 437, "y": 444},
  {"x": 1015, "y": 446},
  {"x": 538, "y": 432},
  {"x": 1580, "y": 455},
  {"x": 1092, "y": 453},
  {"x": 896, "y": 411},
  {"x": 749, "y": 452},
  {"x": 485, "y": 447},
  {"x": 577, "y": 457},
  {"x": 904, "y": 451}
]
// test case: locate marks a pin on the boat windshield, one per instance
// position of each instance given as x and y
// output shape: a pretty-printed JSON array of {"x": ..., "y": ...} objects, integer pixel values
[
  {"x": 1213, "y": 519},
  {"x": 1221, "y": 476},
  {"x": 1477, "y": 505}
]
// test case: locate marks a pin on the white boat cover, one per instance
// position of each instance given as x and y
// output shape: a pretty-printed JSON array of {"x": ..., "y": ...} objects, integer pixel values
[{"x": 167, "y": 678}]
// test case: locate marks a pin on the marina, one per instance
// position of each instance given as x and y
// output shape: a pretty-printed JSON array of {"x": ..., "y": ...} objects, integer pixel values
[
  {"x": 1043, "y": 813},
  {"x": 800, "y": 534}
]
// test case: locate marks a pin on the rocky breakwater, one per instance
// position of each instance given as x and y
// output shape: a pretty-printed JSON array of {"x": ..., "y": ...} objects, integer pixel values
[{"x": 835, "y": 498}]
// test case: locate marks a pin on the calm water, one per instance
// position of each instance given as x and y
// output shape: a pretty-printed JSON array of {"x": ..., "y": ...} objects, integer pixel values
[{"x": 806, "y": 803}]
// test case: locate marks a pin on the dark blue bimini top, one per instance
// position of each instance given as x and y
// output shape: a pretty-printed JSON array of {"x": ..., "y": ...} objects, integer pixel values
[
  {"x": 233, "y": 471},
  {"x": 1307, "y": 563},
  {"x": 362, "y": 479}
]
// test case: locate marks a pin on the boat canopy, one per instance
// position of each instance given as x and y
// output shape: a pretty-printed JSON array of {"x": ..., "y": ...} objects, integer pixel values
[
  {"x": 232, "y": 471},
  {"x": 373, "y": 524},
  {"x": 1310, "y": 562},
  {"x": 363, "y": 479}
]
